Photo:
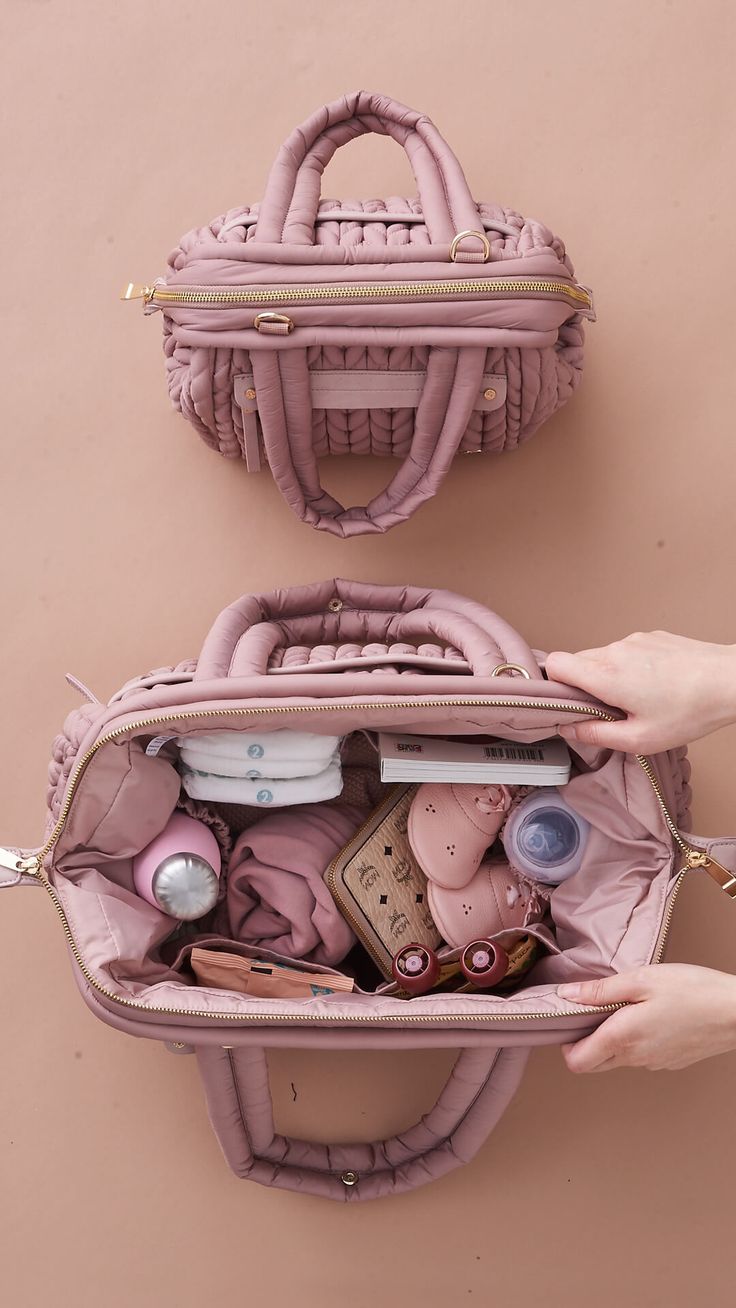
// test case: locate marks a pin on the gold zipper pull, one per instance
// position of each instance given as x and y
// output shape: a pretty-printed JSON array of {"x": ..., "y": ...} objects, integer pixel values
[
  {"x": 10, "y": 859},
  {"x": 135, "y": 292},
  {"x": 725, "y": 879}
]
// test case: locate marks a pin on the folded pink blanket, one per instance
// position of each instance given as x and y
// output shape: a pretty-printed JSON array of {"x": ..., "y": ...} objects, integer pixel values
[{"x": 276, "y": 897}]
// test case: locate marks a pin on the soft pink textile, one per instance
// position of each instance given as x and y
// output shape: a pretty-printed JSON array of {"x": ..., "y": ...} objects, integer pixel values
[
  {"x": 276, "y": 895},
  {"x": 471, "y": 370},
  {"x": 608, "y": 918}
]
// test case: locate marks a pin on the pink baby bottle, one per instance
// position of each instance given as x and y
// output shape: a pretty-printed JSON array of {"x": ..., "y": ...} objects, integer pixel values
[{"x": 179, "y": 871}]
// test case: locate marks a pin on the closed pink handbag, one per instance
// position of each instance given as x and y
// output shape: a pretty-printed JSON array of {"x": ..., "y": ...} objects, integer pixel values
[
  {"x": 420, "y": 328},
  {"x": 336, "y": 658}
]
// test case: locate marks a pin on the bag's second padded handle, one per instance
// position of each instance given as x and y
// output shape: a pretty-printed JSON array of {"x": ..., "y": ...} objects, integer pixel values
[
  {"x": 281, "y": 378},
  {"x": 481, "y": 1084},
  {"x": 289, "y": 207},
  {"x": 336, "y": 611}
]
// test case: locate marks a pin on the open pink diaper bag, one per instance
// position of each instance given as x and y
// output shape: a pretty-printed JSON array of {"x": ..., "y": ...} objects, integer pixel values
[
  {"x": 420, "y": 328},
  {"x": 346, "y": 659}
]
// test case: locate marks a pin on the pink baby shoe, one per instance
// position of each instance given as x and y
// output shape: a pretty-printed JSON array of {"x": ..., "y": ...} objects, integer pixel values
[
  {"x": 452, "y": 826},
  {"x": 494, "y": 900}
]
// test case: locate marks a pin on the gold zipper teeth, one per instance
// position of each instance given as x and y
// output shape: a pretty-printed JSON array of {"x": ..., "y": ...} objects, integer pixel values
[
  {"x": 643, "y": 761},
  {"x": 659, "y": 955},
  {"x": 379, "y": 291},
  {"x": 290, "y": 1018},
  {"x": 190, "y": 714},
  {"x": 260, "y": 1019}
]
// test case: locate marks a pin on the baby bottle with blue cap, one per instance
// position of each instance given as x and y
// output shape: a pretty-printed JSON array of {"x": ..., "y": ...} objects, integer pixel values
[{"x": 545, "y": 839}]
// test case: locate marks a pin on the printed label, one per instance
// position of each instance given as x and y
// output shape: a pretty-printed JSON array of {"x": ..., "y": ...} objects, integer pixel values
[
  {"x": 515, "y": 753},
  {"x": 156, "y": 745}
]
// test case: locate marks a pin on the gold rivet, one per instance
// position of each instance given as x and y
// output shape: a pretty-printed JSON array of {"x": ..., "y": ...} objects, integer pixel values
[
  {"x": 490, "y": 394},
  {"x": 335, "y": 605},
  {"x": 251, "y": 395},
  {"x": 349, "y": 1178}
]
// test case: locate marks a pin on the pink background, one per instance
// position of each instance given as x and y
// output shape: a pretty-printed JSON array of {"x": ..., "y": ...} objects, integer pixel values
[{"x": 123, "y": 536}]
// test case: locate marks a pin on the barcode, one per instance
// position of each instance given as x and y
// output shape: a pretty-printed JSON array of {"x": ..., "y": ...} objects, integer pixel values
[{"x": 514, "y": 753}]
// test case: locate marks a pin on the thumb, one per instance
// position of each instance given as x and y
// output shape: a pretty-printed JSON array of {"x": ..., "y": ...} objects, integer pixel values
[
  {"x": 624, "y": 988},
  {"x": 609, "y": 735}
]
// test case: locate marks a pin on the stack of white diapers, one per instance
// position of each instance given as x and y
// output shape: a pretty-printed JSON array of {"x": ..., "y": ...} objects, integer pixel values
[{"x": 270, "y": 769}]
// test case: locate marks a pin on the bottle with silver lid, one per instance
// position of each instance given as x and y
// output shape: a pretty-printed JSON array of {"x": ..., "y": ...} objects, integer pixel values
[{"x": 179, "y": 871}]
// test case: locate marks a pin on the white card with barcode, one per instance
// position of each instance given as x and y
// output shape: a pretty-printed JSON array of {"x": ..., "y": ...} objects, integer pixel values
[{"x": 428, "y": 758}]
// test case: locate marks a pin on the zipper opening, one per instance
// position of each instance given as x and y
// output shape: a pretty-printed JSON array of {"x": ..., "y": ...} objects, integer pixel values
[
  {"x": 341, "y": 706},
  {"x": 503, "y": 286},
  {"x": 34, "y": 866}
]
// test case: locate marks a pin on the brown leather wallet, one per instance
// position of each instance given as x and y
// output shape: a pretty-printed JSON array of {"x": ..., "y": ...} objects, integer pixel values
[{"x": 380, "y": 888}]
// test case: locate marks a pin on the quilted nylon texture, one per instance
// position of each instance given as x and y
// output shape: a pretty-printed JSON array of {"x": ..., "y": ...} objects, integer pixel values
[
  {"x": 427, "y": 319},
  {"x": 539, "y": 381},
  {"x": 287, "y": 644}
]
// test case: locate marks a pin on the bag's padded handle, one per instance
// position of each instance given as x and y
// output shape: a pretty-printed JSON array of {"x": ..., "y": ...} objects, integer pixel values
[
  {"x": 282, "y": 381},
  {"x": 288, "y": 211},
  {"x": 480, "y": 650},
  {"x": 481, "y": 1085},
  {"x": 338, "y": 611}
]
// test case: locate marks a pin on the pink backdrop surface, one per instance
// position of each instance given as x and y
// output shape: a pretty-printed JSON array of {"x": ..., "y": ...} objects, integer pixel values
[{"x": 123, "y": 535}]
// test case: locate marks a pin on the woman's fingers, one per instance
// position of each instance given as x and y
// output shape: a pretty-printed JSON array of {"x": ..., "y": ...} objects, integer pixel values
[
  {"x": 623, "y": 736},
  {"x": 623, "y": 988},
  {"x": 588, "y": 671},
  {"x": 607, "y": 1047},
  {"x": 595, "y": 1053},
  {"x": 582, "y": 669}
]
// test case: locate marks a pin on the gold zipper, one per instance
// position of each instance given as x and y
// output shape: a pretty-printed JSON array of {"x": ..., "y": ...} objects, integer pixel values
[
  {"x": 381, "y": 291},
  {"x": 190, "y": 714},
  {"x": 33, "y": 866},
  {"x": 14, "y": 862},
  {"x": 664, "y": 930},
  {"x": 643, "y": 761},
  {"x": 695, "y": 858}
]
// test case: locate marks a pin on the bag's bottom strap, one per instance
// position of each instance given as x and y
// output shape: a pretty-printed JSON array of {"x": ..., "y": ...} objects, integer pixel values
[{"x": 480, "y": 1086}]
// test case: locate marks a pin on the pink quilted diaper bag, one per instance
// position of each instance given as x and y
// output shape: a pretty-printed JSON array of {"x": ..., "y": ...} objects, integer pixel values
[
  {"x": 344, "y": 659},
  {"x": 420, "y": 328}
]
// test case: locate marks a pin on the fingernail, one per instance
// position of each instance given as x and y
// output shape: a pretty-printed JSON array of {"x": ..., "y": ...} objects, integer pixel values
[
  {"x": 570, "y": 733},
  {"x": 570, "y": 991}
]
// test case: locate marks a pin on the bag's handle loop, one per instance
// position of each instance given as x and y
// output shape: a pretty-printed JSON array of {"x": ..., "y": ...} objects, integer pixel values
[
  {"x": 481, "y": 650},
  {"x": 289, "y": 207},
  {"x": 281, "y": 379},
  {"x": 336, "y": 611},
  {"x": 480, "y": 1086}
]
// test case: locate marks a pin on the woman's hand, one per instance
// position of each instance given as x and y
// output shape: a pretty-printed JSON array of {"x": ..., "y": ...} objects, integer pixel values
[
  {"x": 677, "y": 1015},
  {"x": 672, "y": 689}
]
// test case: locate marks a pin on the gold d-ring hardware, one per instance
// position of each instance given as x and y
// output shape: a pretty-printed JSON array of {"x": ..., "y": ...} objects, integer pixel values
[
  {"x": 479, "y": 236},
  {"x": 263, "y": 321},
  {"x": 511, "y": 667}
]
